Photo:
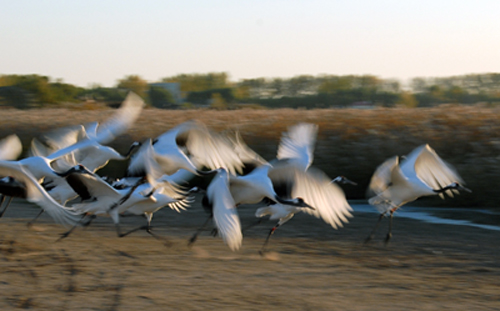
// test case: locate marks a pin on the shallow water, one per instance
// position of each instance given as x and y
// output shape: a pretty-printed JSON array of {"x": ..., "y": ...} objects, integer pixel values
[{"x": 474, "y": 217}]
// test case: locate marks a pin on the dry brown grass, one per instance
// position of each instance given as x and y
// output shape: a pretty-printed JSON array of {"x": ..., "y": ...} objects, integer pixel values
[{"x": 351, "y": 142}]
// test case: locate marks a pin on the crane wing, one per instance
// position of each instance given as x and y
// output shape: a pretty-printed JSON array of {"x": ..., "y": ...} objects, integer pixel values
[
  {"x": 298, "y": 144},
  {"x": 37, "y": 195},
  {"x": 121, "y": 120},
  {"x": 208, "y": 149},
  {"x": 91, "y": 184},
  {"x": 246, "y": 155},
  {"x": 118, "y": 124},
  {"x": 10, "y": 147},
  {"x": 225, "y": 214},
  {"x": 328, "y": 199},
  {"x": 381, "y": 178},
  {"x": 432, "y": 170}
]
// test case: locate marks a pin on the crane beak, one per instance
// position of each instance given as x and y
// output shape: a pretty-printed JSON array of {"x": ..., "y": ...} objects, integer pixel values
[
  {"x": 309, "y": 206},
  {"x": 464, "y": 189},
  {"x": 347, "y": 181},
  {"x": 294, "y": 203}
]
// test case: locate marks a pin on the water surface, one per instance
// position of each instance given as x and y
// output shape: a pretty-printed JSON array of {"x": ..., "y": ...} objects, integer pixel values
[{"x": 474, "y": 217}]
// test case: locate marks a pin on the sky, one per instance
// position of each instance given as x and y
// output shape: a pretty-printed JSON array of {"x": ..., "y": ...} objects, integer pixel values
[{"x": 99, "y": 42}]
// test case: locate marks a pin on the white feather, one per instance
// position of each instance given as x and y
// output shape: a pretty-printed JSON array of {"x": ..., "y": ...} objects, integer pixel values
[
  {"x": 10, "y": 147},
  {"x": 419, "y": 174},
  {"x": 36, "y": 194},
  {"x": 298, "y": 144},
  {"x": 224, "y": 211}
]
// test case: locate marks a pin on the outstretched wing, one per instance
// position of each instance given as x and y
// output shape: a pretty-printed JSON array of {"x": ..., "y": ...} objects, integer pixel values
[
  {"x": 381, "y": 178},
  {"x": 328, "y": 199},
  {"x": 298, "y": 144},
  {"x": 36, "y": 194},
  {"x": 225, "y": 213},
  {"x": 121, "y": 120},
  {"x": 432, "y": 170},
  {"x": 246, "y": 155},
  {"x": 209, "y": 149}
]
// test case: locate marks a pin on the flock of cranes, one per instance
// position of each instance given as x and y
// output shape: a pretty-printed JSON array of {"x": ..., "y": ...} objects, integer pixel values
[{"x": 59, "y": 175}]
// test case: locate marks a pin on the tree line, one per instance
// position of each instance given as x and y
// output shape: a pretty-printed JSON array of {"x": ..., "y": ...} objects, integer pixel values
[{"x": 217, "y": 91}]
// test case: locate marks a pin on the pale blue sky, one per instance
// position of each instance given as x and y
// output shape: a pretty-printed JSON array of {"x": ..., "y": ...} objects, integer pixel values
[{"x": 85, "y": 42}]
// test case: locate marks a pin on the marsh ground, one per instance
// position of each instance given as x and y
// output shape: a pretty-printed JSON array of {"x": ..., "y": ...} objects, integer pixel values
[{"x": 309, "y": 266}]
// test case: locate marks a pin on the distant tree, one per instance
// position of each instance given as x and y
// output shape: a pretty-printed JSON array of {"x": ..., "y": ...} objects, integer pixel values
[
  {"x": 436, "y": 92},
  {"x": 112, "y": 96},
  {"x": 407, "y": 99},
  {"x": 256, "y": 88},
  {"x": 13, "y": 96},
  {"x": 456, "y": 94},
  {"x": 200, "y": 82},
  {"x": 277, "y": 87},
  {"x": 419, "y": 85},
  {"x": 203, "y": 97},
  {"x": 161, "y": 98},
  {"x": 135, "y": 84},
  {"x": 334, "y": 84},
  {"x": 218, "y": 102},
  {"x": 63, "y": 92},
  {"x": 302, "y": 85},
  {"x": 37, "y": 85},
  {"x": 241, "y": 92}
]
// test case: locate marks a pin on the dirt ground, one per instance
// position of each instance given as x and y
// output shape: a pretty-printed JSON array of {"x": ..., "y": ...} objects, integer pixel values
[{"x": 309, "y": 266}]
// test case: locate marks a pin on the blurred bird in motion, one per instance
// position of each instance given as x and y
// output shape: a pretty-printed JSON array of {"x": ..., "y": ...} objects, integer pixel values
[{"x": 398, "y": 181}]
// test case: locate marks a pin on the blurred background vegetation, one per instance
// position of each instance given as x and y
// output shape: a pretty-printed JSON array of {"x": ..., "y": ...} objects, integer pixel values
[{"x": 215, "y": 90}]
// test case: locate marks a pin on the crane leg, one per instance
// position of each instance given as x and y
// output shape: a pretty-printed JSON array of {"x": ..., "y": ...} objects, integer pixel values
[
  {"x": 80, "y": 223},
  {"x": 372, "y": 234},
  {"x": 2, "y": 198},
  {"x": 6, "y": 206},
  {"x": 389, "y": 234},
  {"x": 148, "y": 229},
  {"x": 195, "y": 235},
  {"x": 30, "y": 224},
  {"x": 262, "y": 250},
  {"x": 121, "y": 235},
  {"x": 258, "y": 222}
]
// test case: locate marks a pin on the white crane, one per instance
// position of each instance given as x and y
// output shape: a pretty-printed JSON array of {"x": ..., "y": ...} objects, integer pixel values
[
  {"x": 24, "y": 185},
  {"x": 100, "y": 199},
  {"x": 219, "y": 201},
  {"x": 190, "y": 146},
  {"x": 293, "y": 178},
  {"x": 10, "y": 149},
  {"x": 261, "y": 182},
  {"x": 257, "y": 185},
  {"x": 148, "y": 204},
  {"x": 317, "y": 189},
  {"x": 80, "y": 145},
  {"x": 421, "y": 173},
  {"x": 84, "y": 145},
  {"x": 297, "y": 145},
  {"x": 40, "y": 166}
]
